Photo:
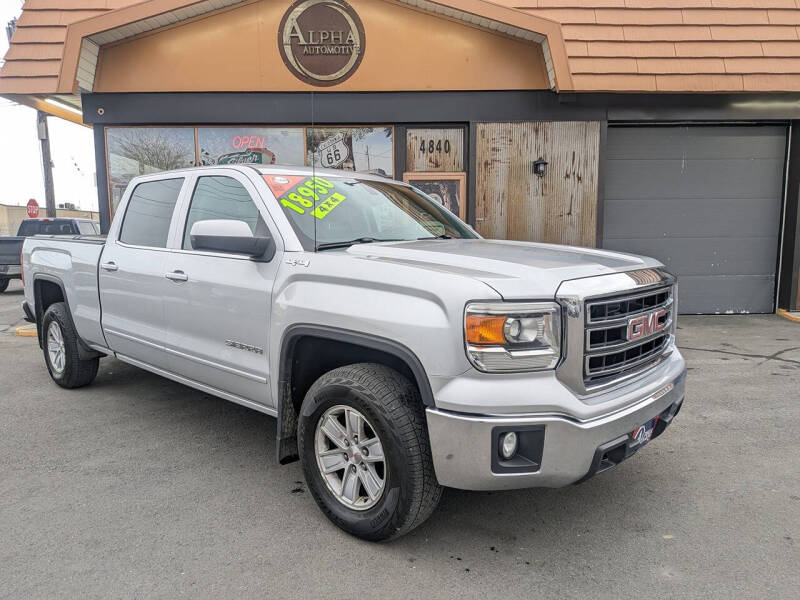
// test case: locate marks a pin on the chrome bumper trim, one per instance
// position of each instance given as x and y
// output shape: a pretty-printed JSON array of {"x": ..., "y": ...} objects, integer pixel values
[
  {"x": 462, "y": 450},
  {"x": 10, "y": 270}
]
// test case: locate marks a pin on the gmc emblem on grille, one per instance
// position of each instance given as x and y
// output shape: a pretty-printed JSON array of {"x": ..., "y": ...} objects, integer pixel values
[{"x": 646, "y": 325}]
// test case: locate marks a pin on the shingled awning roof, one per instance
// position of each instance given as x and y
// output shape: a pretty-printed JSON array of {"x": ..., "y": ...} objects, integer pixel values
[
  {"x": 677, "y": 45},
  {"x": 597, "y": 45}
]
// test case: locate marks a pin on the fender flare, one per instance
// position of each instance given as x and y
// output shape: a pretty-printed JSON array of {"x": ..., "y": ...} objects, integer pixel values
[
  {"x": 287, "y": 417},
  {"x": 84, "y": 351}
]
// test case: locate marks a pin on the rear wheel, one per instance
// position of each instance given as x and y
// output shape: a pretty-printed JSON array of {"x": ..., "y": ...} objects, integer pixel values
[
  {"x": 3, "y": 284},
  {"x": 365, "y": 451},
  {"x": 61, "y": 353}
]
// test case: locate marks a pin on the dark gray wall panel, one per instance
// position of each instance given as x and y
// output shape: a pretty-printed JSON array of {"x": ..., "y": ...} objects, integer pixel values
[
  {"x": 686, "y": 217},
  {"x": 727, "y": 295},
  {"x": 706, "y": 201}
]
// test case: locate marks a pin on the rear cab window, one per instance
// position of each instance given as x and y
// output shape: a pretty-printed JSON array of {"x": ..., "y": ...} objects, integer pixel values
[
  {"x": 47, "y": 227},
  {"x": 149, "y": 213},
  {"x": 28, "y": 228}
]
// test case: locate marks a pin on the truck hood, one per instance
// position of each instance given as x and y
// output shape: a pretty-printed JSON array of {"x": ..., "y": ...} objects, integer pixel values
[{"x": 516, "y": 270}]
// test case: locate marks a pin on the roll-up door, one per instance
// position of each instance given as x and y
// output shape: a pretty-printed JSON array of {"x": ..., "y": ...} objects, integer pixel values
[{"x": 706, "y": 201}]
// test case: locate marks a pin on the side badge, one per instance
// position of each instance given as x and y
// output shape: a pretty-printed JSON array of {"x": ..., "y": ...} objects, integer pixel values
[{"x": 294, "y": 262}]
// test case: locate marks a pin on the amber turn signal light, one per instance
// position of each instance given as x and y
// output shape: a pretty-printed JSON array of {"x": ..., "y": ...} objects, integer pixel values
[{"x": 484, "y": 329}]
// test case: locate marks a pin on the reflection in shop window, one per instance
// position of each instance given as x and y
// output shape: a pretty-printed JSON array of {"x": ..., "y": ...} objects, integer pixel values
[
  {"x": 136, "y": 151},
  {"x": 362, "y": 149},
  {"x": 254, "y": 145}
]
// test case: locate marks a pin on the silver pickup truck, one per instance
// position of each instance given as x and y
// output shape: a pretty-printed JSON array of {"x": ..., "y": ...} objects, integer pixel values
[{"x": 399, "y": 351}]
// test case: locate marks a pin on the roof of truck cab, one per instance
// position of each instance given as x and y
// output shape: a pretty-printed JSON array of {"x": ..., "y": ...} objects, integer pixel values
[
  {"x": 273, "y": 170},
  {"x": 312, "y": 171},
  {"x": 47, "y": 219}
]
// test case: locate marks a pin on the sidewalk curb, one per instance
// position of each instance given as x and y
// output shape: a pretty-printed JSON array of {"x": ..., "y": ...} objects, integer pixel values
[
  {"x": 26, "y": 331},
  {"x": 791, "y": 316}
]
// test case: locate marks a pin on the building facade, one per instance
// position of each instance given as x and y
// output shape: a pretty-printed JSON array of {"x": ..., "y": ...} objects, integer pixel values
[{"x": 617, "y": 124}]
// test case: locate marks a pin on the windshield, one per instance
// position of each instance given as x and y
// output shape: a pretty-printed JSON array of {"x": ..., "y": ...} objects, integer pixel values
[{"x": 338, "y": 211}]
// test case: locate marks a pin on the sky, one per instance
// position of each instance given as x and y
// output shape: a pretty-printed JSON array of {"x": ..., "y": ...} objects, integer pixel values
[{"x": 71, "y": 147}]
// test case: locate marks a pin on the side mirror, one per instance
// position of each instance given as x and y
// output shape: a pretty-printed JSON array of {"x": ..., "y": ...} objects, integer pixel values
[{"x": 232, "y": 237}]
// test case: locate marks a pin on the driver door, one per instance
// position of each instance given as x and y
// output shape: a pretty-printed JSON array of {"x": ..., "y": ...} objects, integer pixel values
[{"x": 217, "y": 306}]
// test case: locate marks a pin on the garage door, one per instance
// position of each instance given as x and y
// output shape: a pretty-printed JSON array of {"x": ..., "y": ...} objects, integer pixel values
[{"x": 706, "y": 201}]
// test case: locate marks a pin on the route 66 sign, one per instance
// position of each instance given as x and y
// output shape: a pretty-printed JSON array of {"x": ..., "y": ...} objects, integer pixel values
[{"x": 333, "y": 151}]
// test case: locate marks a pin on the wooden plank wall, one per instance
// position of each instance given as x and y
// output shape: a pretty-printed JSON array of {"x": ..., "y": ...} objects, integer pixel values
[{"x": 513, "y": 203}]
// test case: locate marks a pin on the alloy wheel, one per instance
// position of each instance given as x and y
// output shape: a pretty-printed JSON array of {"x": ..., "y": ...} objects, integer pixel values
[
  {"x": 55, "y": 347},
  {"x": 350, "y": 457}
]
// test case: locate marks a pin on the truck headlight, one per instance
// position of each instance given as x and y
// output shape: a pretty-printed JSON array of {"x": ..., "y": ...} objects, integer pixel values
[{"x": 513, "y": 336}]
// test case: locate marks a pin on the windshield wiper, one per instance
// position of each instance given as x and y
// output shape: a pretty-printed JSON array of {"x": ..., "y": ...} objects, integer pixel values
[
  {"x": 361, "y": 240},
  {"x": 443, "y": 236}
]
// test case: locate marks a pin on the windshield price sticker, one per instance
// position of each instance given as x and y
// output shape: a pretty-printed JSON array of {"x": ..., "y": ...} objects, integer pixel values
[{"x": 313, "y": 193}]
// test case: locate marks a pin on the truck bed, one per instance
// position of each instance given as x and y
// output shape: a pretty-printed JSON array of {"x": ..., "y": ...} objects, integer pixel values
[{"x": 73, "y": 261}]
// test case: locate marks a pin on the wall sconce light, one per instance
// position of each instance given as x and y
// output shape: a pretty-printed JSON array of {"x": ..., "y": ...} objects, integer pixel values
[{"x": 539, "y": 167}]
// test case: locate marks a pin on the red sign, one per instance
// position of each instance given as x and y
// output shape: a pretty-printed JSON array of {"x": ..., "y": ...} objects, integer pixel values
[
  {"x": 280, "y": 184},
  {"x": 33, "y": 208},
  {"x": 247, "y": 141}
]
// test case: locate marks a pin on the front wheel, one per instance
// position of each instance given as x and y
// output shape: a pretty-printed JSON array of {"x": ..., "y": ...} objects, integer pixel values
[
  {"x": 365, "y": 451},
  {"x": 3, "y": 284},
  {"x": 60, "y": 347}
]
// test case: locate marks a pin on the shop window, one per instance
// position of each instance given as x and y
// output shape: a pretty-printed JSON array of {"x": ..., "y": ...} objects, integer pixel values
[
  {"x": 362, "y": 149},
  {"x": 136, "y": 151},
  {"x": 258, "y": 145}
]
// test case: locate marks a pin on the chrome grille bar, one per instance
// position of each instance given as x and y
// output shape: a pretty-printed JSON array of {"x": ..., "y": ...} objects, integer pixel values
[
  {"x": 597, "y": 311},
  {"x": 608, "y": 351}
]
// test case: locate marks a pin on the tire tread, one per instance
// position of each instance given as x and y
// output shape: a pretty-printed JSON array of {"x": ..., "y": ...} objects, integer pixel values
[
  {"x": 399, "y": 400},
  {"x": 77, "y": 372}
]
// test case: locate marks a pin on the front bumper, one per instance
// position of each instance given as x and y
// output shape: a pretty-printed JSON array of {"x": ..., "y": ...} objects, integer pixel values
[{"x": 464, "y": 445}]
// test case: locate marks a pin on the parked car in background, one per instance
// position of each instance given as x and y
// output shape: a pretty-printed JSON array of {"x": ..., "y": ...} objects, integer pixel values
[
  {"x": 11, "y": 246},
  {"x": 399, "y": 351}
]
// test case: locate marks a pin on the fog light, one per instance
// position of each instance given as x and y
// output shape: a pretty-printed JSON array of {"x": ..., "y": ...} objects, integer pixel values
[{"x": 508, "y": 445}]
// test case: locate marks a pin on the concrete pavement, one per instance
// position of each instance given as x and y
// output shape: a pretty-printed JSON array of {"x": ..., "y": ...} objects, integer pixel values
[{"x": 139, "y": 487}]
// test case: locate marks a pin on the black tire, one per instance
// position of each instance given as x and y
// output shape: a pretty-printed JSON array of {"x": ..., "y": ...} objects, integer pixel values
[
  {"x": 76, "y": 372},
  {"x": 393, "y": 407},
  {"x": 3, "y": 284}
]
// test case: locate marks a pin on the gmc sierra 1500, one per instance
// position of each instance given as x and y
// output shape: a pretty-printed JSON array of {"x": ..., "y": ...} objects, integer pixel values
[{"x": 399, "y": 351}]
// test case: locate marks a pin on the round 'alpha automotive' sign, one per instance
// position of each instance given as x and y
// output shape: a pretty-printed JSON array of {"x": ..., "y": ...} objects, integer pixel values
[{"x": 321, "y": 41}]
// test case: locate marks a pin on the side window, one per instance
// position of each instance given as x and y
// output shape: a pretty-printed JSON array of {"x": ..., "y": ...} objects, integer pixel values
[
  {"x": 85, "y": 228},
  {"x": 149, "y": 213},
  {"x": 221, "y": 198}
]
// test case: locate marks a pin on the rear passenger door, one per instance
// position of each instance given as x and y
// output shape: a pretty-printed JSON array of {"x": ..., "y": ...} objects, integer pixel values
[
  {"x": 131, "y": 273},
  {"x": 218, "y": 305}
]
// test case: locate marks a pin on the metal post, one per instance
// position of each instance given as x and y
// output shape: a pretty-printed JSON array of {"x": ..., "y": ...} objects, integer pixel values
[{"x": 47, "y": 164}]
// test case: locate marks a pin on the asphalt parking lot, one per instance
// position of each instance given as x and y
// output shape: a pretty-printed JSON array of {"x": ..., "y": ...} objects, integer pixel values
[{"x": 139, "y": 487}]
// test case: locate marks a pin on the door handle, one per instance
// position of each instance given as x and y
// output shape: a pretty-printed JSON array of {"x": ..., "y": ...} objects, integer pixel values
[
  {"x": 109, "y": 266},
  {"x": 177, "y": 276}
]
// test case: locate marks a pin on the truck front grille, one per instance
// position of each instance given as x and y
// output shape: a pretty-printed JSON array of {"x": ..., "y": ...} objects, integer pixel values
[{"x": 626, "y": 333}]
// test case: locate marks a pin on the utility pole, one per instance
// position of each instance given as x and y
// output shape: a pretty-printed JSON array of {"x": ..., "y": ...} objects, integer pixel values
[{"x": 47, "y": 164}]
